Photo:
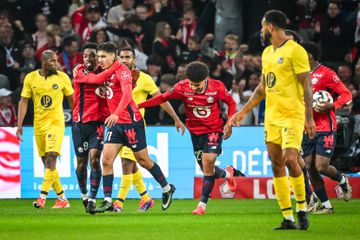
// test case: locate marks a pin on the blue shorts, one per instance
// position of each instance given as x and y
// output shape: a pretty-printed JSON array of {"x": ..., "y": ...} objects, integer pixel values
[
  {"x": 322, "y": 144},
  {"x": 131, "y": 135},
  {"x": 87, "y": 136},
  {"x": 207, "y": 143}
]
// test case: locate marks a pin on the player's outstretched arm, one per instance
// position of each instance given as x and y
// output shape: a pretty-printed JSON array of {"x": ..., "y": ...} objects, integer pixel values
[
  {"x": 155, "y": 101},
  {"x": 92, "y": 78},
  {"x": 179, "y": 125},
  {"x": 255, "y": 99},
  {"x": 23, "y": 106},
  {"x": 310, "y": 127}
]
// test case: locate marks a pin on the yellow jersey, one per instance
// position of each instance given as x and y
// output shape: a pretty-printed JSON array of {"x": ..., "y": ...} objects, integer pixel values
[
  {"x": 145, "y": 85},
  {"x": 47, "y": 95},
  {"x": 284, "y": 93}
]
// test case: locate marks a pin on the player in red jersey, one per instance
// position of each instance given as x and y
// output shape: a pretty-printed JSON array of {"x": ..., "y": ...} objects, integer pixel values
[
  {"x": 318, "y": 151},
  {"x": 90, "y": 112},
  {"x": 201, "y": 96},
  {"x": 126, "y": 126}
]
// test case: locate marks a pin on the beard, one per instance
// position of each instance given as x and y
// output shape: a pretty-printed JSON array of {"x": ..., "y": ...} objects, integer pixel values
[{"x": 265, "y": 38}]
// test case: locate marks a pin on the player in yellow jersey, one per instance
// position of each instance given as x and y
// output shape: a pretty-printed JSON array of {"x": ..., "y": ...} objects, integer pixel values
[
  {"x": 287, "y": 87},
  {"x": 47, "y": 88},
  {"x": 131, "y": 174}
]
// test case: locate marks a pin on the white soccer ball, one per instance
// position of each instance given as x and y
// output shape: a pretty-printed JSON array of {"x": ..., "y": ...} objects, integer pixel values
[{"x": 321, "y": 96}]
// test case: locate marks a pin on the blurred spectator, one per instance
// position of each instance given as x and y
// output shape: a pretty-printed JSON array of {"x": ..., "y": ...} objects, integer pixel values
[
  {"x": 4, "y": 81},
  {"x": 188, "y": 25},
  {"x": 10, "y": 55},
  {"x": 40, "y": 36},
  {"x": 118, "y": 13},
  {"x": 345, "y": 73},
  {"x": 153, "y": 66},
  {"x": 93, "y": 15},
  {"x": 228, "y": 19},
  {"x": 79, "y": 20},
  {"x": 167, "y": 46},
  {"x": 219, "y": 71},
  {"x": 164, "y": 12},
  {"x": 7, "y": 109},
  {"x": 66, "y": 29},
  {"x": 55, "y": 31},
  {"x": 99, "y": 36},
  {"x": 180, "y": 72},
  {"x": 74, "y": 6},
  {"x": 50, "y": 44},
  {"x": 309, "y": 15},
  {"x": 70, "y": 56},
  {"x": 193, "y": 52},
  {"x": 52, "y": 9},
  {"x": 29, "y": 62},
  {"x": 334, "y": 42}
]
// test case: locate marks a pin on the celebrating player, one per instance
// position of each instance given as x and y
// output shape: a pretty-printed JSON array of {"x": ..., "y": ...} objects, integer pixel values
[
  {"x": 286, "y": 84},
  {"x": 201, "y": 96},
  {"x": 318, "y": 151},
  {"x": 126, "y": 126},
  {"x": 47, "y": 88},
  {"x": 131, "y": 174},
  {"x": 90, "y": 112}
]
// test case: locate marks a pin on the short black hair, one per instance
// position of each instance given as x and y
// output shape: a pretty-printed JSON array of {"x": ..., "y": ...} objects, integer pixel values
[
  {"x": 312, "y": 48},
  {"x": 108, "y": 47},
  {"x": 68, "y": 41},
  {"x": 196, "y": 71},
  {"x": 128, "y": 48},
  {"x": 89, "y": 45},
  {"x": 276, "y": 17}
]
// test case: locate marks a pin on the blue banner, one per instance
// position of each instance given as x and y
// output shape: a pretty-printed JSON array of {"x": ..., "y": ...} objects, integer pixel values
[{"x": 245, "y": 150}]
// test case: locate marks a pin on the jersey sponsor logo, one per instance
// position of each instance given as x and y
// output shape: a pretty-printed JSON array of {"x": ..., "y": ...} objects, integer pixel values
[
  {"x": 270, "y": 80},
  {"x": 46, "y": 101},
  {"x": 201, "y": 111},
  {"x": 211, "y": 93},
  {"x": 104, "y": 92},
  {"x": 314, "y": 80},
  {"x": 55, "y": 86},
  {"x": 124, "y": 75},
  {"x": 210, "y": 99},
  {"x": 131, "y": 135}
]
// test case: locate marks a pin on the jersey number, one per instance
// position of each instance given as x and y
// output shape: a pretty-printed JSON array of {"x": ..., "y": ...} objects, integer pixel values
[{"x": 201, "y": 112}]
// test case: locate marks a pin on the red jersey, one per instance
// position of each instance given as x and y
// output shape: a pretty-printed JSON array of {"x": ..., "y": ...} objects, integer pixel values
[
  {"x": 118, "y": 83},
  {"x": 324, "y": 78},
  {"x": 89, "y": 99},
  {"x": 79, "y": 21},
  {"x": 202, "y": 108}
]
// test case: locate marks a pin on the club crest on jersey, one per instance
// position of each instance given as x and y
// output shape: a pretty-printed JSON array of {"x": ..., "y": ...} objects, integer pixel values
[
  {"x": 55, "y": 86},
  {"x": 314, "y": 80},
  {"x": 280, "y": 60},
  {"x": 210, "y": 99},
  {"x": 124, "y": 75}
]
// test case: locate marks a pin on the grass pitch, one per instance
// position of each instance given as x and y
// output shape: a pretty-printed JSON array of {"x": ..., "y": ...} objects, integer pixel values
[{"x": 225, "y": 219}]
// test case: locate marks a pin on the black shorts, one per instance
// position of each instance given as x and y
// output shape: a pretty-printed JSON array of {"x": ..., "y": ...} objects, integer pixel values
[
  {"x": 131, "y": 135},
  {"x": 87, "y": 136},
  {"x": 322, "y": 144},
  {"x": 207, "y": 143}
]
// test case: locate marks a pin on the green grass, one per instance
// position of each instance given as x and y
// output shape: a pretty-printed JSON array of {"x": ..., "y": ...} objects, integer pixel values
[{"x": 225, "y": 219}]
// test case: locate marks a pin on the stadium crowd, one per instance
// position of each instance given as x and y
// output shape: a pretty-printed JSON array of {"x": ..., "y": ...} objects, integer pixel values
[{"x": 168, "y": 34}]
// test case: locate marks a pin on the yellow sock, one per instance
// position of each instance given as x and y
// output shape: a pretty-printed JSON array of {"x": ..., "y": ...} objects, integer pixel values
[
  {"x": 48, "y": 180},
  {"x": 126, "y": 182},
  {"x": 298, "y": 186},
  {"x": 57, "y": 186},
  {"x": 140, "y": 186},
  {"x": 282, "y": 190}
]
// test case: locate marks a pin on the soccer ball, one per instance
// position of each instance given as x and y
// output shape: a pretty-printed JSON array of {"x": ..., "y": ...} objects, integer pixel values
[{"x": 321, "y": 96}]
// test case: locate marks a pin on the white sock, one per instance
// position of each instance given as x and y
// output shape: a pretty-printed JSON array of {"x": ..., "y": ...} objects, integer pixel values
[
  {"x": 343, "y": 180},
  {"x": 108, "y": 199},
  {"x": 63, "y": 198},
  {"x": 227, "y": 175},
  {"x": 166, "y": 188},
  {"x": 92, "y": 200},
  {"x": 84, "y": 196},
  {"x": 202, "y": 204},
  {"x": 291, "y": 218},
  {"x": 327, "y": 204}
]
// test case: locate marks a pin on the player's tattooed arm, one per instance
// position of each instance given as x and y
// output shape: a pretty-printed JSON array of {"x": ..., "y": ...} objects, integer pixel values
[
  {"x": 310, "y": 127},
  {"x": 257, "y": 96}
]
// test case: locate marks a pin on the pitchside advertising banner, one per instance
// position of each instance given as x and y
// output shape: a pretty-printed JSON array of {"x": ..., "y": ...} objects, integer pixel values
[{"x": 245, "y": 150}]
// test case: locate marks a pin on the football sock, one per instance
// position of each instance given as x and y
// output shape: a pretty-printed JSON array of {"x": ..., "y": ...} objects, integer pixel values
[
  {"x": 298, "y": 186},
  {"x": 327, "y": 204},
  {"x": 57, "y": 186},
  {"x": 140, "y": 186},
  {"x": 207, "y": 186},
  {"x": 282, "y": 190},
  {"x": 82, "y": 178},
  {"x": 202, "y": 204},
  {"x": 95, "y": 177},
  {"x": 321, "y": 194},
  {"x": 158, "y": 175},
  {"x": 48, "y": 180},
  {"x": 307, "y": 185},
  {"x": 84, "y": 196},
  {"x": 107, "y": 185},
  {"x": 126, "y": 182},
  {"x": 219, "y": 172}
]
